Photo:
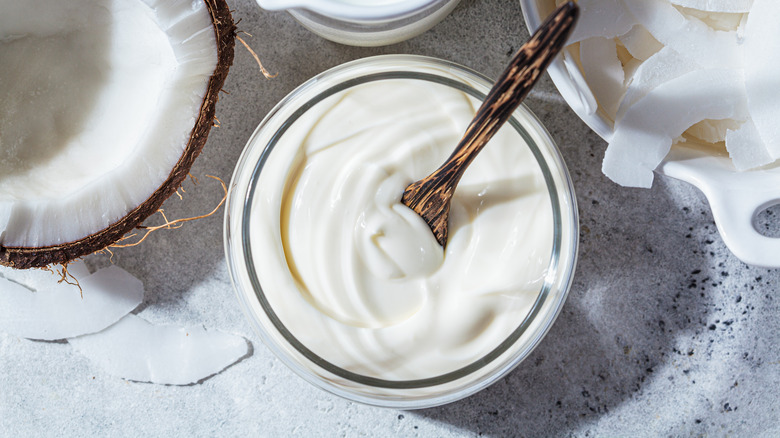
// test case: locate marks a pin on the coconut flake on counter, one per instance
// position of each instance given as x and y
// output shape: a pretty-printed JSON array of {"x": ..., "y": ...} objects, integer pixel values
[
  {"x": 134, "y": 349},
  {"x": 648, "y": 129},
  {"x": 762, "y": 73},
  {"x": 39, "y": 279},
  {"x": 662, "y": 67},
  {"x": 34, "y": 305}
]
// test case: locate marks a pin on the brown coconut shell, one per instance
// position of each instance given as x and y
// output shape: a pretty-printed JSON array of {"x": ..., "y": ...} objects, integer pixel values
[{"x": 23, "y": 258}]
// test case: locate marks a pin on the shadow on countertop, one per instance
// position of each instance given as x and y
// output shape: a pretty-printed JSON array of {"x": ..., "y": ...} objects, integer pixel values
[{"x": 635, "y": 291}]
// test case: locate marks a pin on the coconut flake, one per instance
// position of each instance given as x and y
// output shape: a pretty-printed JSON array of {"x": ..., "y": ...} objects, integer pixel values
[
  {"x": 603, "y": 72},
  {"x": 601, "y": 18},
  {"x": 745, "y": 147},
  {"x": 762, "y": 73},
  {"x": 137, "y": 350},
  {"x": 629, "y": 70},
  {"x": 47, "y": 279},
  {"x": 660, "y": 68},
  {"x": 716, "y": 5},
  {"x": 33, "y": 305},
  {"x": 110, "y": 72},
  {"x": 690, "y": 37},
  {"x": 716, "y": 20},
  {"x": 646, "y": 133},
  {"x": 713, "y": 131},
  {"x": 640, "y": 43}
]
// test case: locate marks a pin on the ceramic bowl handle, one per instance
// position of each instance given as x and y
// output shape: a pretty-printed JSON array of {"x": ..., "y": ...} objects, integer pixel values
[
  {"x": 736, "y": 198},
  {"x": 735, "y": 213}
]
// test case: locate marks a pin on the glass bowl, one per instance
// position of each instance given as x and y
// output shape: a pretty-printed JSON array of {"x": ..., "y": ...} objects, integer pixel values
[
  {"x": 367, "y": 25},
  {"x": 252, "y": 265}
]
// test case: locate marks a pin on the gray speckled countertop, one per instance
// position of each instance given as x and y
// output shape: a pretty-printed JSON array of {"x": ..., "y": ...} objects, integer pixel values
[{"x": 664, "y": 332}]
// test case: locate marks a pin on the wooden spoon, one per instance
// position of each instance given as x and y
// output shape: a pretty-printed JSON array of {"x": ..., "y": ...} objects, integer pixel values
[{"x": 430, "y": 197}]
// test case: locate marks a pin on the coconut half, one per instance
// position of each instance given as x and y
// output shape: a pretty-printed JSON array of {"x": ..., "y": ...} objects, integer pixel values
[{"x": 104, "y": 106}]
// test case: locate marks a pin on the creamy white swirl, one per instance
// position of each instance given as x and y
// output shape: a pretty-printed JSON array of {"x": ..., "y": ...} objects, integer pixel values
[{"x": 356, "y": 276}]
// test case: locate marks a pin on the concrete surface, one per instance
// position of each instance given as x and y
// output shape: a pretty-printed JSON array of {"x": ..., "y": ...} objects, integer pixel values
[{"x": 665, "y": 333}]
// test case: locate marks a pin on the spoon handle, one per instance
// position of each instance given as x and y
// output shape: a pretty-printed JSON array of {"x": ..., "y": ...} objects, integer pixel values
[
  {"x": 514, "y": 84},
  {"x": 506, "y": 95}
]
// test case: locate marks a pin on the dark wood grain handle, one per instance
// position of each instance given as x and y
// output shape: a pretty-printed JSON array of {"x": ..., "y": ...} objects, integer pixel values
[
  {"x": 513, "y": 86},
  {"x": 515, "y": 83},
  {"x": 503, "y": 99}
]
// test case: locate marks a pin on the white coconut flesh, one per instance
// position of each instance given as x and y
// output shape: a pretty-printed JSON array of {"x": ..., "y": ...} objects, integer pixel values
[
  {"x": 640, "y": 43},
  {"x": 701, "y": 71},
  {"x": 646, "y": 133},
  {"x": 34, "y": 305},
  {"x": 98, "y": 99},
  {"x": 687, "y": 35},
  {"x": 662, "y": 67},
  {"x": 716, "y": 5},
  {"x": 135, "y": 349}
]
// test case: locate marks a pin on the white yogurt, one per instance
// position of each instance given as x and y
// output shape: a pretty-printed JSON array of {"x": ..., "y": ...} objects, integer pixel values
[{"x": 357, "y": 277}]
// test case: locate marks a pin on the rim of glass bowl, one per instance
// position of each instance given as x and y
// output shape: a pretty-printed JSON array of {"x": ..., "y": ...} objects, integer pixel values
[{"x": 241, "y": 265}]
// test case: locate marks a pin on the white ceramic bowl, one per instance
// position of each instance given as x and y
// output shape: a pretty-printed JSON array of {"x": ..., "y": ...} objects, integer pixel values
[
  {"x": 370, "y": 23},
  {"x": 735, "y": 197}
]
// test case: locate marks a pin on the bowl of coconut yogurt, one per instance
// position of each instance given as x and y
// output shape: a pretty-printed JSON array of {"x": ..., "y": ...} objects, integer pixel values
[
  {"x": 365, "y": 22},
  {"x": 347, "y": 286}
]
